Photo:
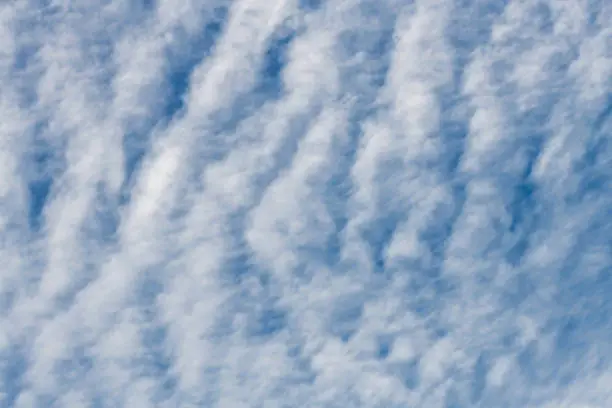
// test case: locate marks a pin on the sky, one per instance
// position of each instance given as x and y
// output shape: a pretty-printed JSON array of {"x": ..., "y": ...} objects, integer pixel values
[{"x": 306, "y": 203}]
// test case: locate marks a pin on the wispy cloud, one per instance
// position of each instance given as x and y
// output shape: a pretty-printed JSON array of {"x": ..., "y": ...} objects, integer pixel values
[{"x": 256, "y": 203}]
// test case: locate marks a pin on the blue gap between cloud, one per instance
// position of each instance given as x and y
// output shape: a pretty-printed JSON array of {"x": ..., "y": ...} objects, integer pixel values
[{"x": 43, "y": 165}]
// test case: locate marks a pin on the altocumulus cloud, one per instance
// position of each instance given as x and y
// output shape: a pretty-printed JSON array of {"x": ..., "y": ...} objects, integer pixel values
[{"x": 293, "y": 203}]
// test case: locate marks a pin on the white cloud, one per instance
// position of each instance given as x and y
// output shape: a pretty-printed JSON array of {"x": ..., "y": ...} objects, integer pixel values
[{"x": 278, "y": 204}]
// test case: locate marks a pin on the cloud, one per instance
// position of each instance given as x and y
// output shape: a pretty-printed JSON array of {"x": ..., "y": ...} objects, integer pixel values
[{"x": 301, "y": 203}]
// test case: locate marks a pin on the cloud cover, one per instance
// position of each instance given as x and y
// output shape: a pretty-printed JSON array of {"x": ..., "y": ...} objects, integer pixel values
[{"x": 303, "y": 203}]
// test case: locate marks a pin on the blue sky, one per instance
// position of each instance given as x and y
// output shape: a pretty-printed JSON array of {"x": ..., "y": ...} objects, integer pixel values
[{"x": 251, "y": 203}]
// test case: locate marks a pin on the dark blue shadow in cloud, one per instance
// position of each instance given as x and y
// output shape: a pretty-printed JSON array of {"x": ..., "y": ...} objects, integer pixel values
[
  {"x": 379, "y": 237},
  {"x": 454, "y": 398},
  {"x": 43, "y": 166},
  {"x": 524, "y": 205},
  {"x": 384, "y": 348},
  {"x": 603, "y": 117},
  {"x": 13, "y": 365},
  {"x": 408, "y": 373},
  {"x": 38, "y": 192},
  {"x": 518, "y": 289},
  {"x": 569, "y": 335},
  {"x": 309, "y": 5},
  {"x": 479, "y": 379},
  {"x": 524, "y": 217},
  {"x": 345, "y": 316},
  {"x": 135, "y": 145},
  {"x": 267, "y": 322},
  {"x": 275, "y": 59},
  {"x": 528, "y": 362}
]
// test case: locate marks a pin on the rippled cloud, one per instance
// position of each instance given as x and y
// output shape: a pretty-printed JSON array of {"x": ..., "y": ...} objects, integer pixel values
[{"x": 300, "y": 203}]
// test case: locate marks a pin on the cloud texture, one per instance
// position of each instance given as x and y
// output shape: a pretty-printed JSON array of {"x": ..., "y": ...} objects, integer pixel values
[{"x": 302, "y": 203}]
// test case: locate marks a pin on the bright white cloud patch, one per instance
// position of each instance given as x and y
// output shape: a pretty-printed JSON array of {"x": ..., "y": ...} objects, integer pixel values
[{"x": 252, "y": 203}]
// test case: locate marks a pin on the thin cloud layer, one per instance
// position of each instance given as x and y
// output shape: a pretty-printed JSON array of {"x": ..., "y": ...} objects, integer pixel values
[{"x": 256, "y": 203}]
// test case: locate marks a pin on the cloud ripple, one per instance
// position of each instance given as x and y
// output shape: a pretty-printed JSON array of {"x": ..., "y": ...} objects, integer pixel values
[{"x": 251, "y": 203}]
